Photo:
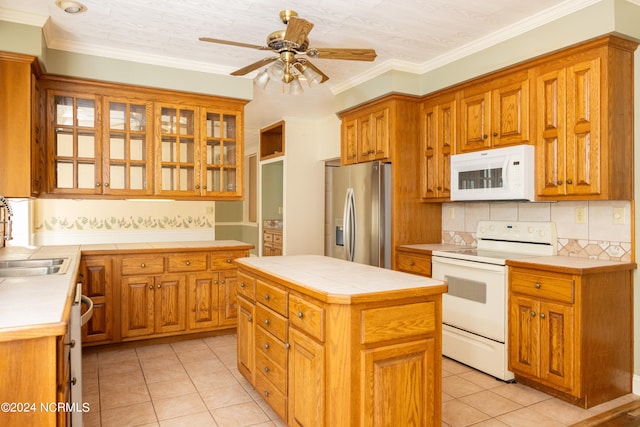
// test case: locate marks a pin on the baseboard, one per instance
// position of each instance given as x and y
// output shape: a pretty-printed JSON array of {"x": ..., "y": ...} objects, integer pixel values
[{"x": 635, "y": 386}]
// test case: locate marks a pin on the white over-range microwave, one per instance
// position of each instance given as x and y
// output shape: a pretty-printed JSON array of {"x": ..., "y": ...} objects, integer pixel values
[{"x": 497, "y": 174}]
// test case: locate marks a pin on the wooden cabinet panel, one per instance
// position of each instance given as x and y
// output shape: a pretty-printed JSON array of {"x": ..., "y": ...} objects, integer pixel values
[
  {"x": 228, "y": 298},
  {"x": 306, "y": 381},
  {"x": 137, "y": 306},
  {"x": 438, "y": 121},
  {"x": 97, "y": 283},
  {"x": 272, "y": 242},
  {"x": 524, "y": 335},
  {"x": 170, "y": 301},
  {"x": 272, "y": 322},
  {"x": 554, "y": 286},
  {"x": 349, "y": 144},
  {"x": 408, "y": 370},
  {"x": 307, "y": 316},
  {"x": 475, "y": 122},
  {"x": 246, "y": 337},
  {"x": 187, "y": 262},
  {"x": 276, "y": 398},
  {"x": 247, "y": 286},
  {"x": 202, "y": 300},
  {"x": 557, "y": 365},
  {"x": 141, "y": 265},
  {"x": 274, "y": 372},
  {"x": 271, "y": 296},
  {"x": 366, "y": 135}
]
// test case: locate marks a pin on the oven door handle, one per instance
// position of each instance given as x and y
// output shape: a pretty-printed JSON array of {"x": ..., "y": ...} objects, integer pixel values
[{"x": 465, "y": 263}]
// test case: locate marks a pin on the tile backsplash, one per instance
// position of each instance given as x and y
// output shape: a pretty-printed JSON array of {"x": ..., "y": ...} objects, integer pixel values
[{"x": 589, "y": 229}]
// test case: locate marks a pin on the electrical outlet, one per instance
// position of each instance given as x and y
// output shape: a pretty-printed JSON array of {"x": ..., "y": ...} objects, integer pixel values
[
  {"x": 280, "y": 210},
  {"x": 618, "y": 216},
  {"x": 209, "y": 210},
  {"x": 580, "y": 215},
  {"x": 451, "y": 213}
]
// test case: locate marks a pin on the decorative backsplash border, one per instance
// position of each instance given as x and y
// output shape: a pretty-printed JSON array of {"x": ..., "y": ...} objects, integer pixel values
[
  {"x": 83, "y": 223},
  {"x": 605, "y": 250}
]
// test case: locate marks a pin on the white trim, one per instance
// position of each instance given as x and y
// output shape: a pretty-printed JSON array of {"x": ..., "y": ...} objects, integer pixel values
[
  {"x": 25, "y": 18},
  {"x": 46, "y": 238},
  {"x": 635, "y": 385}
]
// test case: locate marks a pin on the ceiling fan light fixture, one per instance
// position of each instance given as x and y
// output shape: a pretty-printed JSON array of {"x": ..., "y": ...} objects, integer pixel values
[
  {"x": 262, "y": 79},
  {"x": 312, "y": 76},
  {"x": 71, "y": 6},
  {"x": 276, "y": 70},
  {"x": 295, "y": 88}
]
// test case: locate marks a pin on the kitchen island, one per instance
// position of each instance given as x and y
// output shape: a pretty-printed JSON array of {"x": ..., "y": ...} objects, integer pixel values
[{"x": 328, "y": 342}]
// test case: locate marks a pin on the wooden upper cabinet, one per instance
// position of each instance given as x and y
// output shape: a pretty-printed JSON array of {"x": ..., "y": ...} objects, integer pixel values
[
  {"x": 20, "y": 127},
  {"x": 107, "y": 140},
  {"x": 495, "y": 114},
  {"x": 584, "y": 148},
  {"x": 438, "y": 134},
  {"x": 366, "y": 134}
]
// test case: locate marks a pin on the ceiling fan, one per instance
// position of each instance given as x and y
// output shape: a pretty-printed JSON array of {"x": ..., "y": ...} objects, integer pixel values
[{"x": 289, "y": 43}]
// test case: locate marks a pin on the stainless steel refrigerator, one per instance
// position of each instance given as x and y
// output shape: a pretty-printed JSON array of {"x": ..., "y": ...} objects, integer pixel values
[{"x": 358, "y": 213}]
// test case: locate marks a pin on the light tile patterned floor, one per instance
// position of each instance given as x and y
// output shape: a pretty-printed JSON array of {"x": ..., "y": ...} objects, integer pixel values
[{"x": 196, "y": 383}]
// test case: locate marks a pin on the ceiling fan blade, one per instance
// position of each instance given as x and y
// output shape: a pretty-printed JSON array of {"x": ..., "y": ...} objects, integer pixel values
[
  {"x": 316, "y": 69},
  {"x": 231, "y": 43},
  {"x": 346, "y": 54},
  {"x": 297, "y": 30},
  {"x": 254, "y": 66}
]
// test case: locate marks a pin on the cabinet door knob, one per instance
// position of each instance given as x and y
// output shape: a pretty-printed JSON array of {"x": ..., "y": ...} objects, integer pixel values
[
  {"x": 495, "y": 134},
  {"x": 559, "y": 182},
  {"x": 266, "y": 369},
  {"x": 533, "y": 314},
  {"x": 266, "y": 321},
  {"x": 242, "y": 284},
  {"x": 266, "y": 346},
  {"x": 97, "y": 184},
  {"x": 300, "y": 314},
  {"x": 150, "y": 286},
  {"x": 215, "y": 282},
  {"x": 266, "y": 296},
  {"x": 537, "y": 285},
  {"x": 222, "y": 282},
  {"x": 266, "y": 393},
  {"x": 485, "y": 136},
  {"x": 188, "y": 262},
  {"x": 569, "y": 181},
  {"x": 142, "y": 265},
  {"x": 250, "y": 319},
  {"x": 542, "y": 316},
  {"x": 229, "y": 260},
  {"x": 106, "y": 184},
  {"x": 159, "y": 286},
  {"x": 197, "y": 187}
]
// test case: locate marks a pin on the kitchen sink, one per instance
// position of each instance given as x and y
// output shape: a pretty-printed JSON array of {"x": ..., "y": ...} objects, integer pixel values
[{"x": 33, "y": 267}]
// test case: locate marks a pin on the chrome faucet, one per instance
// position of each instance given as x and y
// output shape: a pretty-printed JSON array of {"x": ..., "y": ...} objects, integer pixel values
[{"x": 5, "y": 219}]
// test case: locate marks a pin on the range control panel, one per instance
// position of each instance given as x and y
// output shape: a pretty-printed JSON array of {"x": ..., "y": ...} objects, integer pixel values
[{"x": 518, "y": 231}]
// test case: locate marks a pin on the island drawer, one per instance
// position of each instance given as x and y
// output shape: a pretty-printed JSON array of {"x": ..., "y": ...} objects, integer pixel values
[
  {"x": 275, "y": 373},
  {"x": 139, "y": 265},
  {"x": 306, "y": 316},
  {"x": 414, "y": 263},
  {"x": 548, "y": 285},
  {"x": 272, "y": 322},
  {"x": 271, "y": 346},
  {"x": 273, "y": 297},
  {"x": 194, "y": 261},
  {"x": 224, "y": 260},
  {"x": 385, "y": 323},
  {"x": 274, "y": 397},
  {"x": 247, "y": 285}
]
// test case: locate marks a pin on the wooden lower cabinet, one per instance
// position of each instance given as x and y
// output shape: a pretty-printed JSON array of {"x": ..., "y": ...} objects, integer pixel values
[
  {"x": 411, "y": 262},
  {"x": 140, "y": 294},
  {"x": 570, "y": 330},
  {"x": 327, "y": 363}
]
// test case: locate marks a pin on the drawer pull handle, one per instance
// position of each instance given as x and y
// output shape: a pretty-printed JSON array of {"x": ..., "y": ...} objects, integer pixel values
[
  {"x": 242, "y": 284},
  {"x": 300, "y": 314},
  {"x": 229, "y": 260},
  {"x": 412, "y": 263},
  {"x": 266, "y": 321},
  {"x": 142, "y": 265},
  {"x": 266, "y": 346},
  {"x": 249, "y": 319},
  {"x": 542, "y": 316},
  {"x": 266, "y": 296},
  {"x": 533, "y": 314},
  {"x": 188, "y": 262},
  {"x": 537, "y": 285},
  {"x": 266, "y": 393},
  {"x": 266, "y": 369}
]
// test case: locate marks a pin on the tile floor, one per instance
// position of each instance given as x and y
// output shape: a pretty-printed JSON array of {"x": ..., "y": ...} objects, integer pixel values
[{"x": 196, "y": 383}]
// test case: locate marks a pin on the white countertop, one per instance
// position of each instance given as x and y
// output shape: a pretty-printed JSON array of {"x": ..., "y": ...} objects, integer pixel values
[
  {"x": 34, "y": 306},
  {"x": 336, "y": 277}
]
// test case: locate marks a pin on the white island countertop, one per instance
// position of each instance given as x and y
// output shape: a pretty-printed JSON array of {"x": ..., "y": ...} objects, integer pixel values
[{"x": 338, "y": 281}]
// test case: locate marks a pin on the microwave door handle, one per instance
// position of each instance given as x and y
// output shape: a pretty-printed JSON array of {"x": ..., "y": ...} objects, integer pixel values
[{"x": 504, "y": 171}]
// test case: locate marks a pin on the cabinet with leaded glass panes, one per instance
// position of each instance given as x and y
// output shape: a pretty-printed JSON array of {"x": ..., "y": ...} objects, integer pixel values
[{"x": 107, "y": 140}]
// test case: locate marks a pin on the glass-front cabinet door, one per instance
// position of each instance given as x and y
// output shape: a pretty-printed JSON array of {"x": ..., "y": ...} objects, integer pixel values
[
  {"x": 177, "y": 151},
  {"x": 74, "y": 144},
  {"x": 128, "y": 159},
  {"x": 222, "y": 160}
]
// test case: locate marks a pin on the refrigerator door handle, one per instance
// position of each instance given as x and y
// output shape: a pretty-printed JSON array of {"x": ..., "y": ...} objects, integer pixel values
[{"x": 349, "y": 224}]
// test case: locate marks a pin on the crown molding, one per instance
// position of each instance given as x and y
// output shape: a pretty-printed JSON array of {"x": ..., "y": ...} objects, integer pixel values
[{"x": 22, "y": 17}]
